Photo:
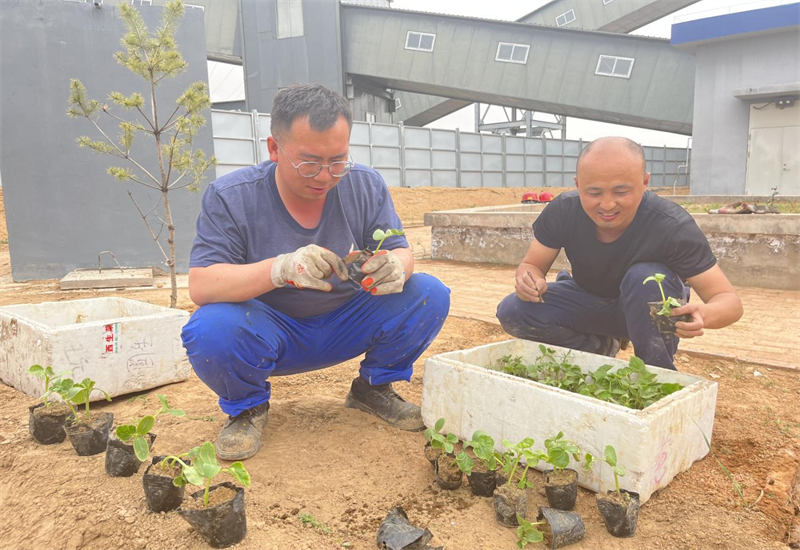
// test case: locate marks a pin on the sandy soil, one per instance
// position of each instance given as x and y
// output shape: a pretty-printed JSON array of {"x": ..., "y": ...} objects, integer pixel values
[{"x": 348, "y": 470}]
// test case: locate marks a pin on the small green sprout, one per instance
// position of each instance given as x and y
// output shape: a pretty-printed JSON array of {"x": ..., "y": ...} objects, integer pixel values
[
  {"x": 49, "y": 378},
  {"x": 610, "y": 458},
  {"x": 310, "y": 521},
  {"x": 137, "y": 432},
  {"x": 438, "y": 440},
  {"x": 205, "y": 467},
  {"x": 559, "y": 450},
  {"x": 76, "y": 394},
  {"x": 669, "y": 303},
  {"x": 482, "y": 445},
  {"x": 380, "y": 235},
  {"x": 515, "y": 453},
  {"x": 527, "y": 533}
]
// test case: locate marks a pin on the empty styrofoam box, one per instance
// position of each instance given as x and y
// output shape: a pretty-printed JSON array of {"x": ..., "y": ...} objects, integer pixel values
[
  {"x": 654, "y": 444},
  {"x": 124, "y": 345}
]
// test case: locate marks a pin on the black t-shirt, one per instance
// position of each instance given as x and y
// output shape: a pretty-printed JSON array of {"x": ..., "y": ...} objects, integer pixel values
[{"x": 661, "y": 232}]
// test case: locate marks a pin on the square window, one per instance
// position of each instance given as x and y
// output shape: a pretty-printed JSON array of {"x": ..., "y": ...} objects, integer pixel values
[
  {"x": 623, "y": 67},
  {"x": 505, "y": 51},
  {"x": 520, "y": 54},
  {"x": 606, "y": 65},
  {"x": 426, "y": 42},
  {"x": 565, "y": 18},
  {"x": 412, "y": 40}
]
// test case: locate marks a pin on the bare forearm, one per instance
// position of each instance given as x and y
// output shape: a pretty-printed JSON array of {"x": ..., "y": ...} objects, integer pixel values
[
  {"x": 230, "y": 283},
  {"x": 530, "y": 268},
  {"x": 722, "y": 310}
]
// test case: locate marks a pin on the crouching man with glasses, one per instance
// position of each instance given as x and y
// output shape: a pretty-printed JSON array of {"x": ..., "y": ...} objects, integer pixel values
[{"x": 267, "y": 270}]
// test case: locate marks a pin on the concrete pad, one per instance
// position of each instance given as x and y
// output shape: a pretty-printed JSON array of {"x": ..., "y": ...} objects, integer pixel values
[{"x": 108, "y": 278}]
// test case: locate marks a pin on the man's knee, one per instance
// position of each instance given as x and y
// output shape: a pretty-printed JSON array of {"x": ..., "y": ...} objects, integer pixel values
[
  {"x": 430, "y": 292},
  {"x": 212, "y": 329},
  {"x": 513, "y": 319}
]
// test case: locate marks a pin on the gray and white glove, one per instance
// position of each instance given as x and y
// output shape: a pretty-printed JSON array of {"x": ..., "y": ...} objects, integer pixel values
[
  {"x": 385, "y": 274},
  {"x": 306, "y": 267}
]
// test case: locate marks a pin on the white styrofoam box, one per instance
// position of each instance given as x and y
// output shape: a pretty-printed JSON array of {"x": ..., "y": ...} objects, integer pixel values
[
  {"x": 654, "y": 444},
  {"x": 123, "y": 345}
]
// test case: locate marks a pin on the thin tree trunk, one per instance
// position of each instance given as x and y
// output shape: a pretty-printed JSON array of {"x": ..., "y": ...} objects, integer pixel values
[{"x": 173, "y": 277}]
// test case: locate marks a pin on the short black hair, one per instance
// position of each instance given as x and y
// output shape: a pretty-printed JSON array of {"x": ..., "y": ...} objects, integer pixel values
[
  {"x": 322, "y": 106},
  {"x": 629, "y": 144}
]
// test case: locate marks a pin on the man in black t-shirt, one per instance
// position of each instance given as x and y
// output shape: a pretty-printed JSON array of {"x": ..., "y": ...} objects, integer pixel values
[{"x": 615, "y": 234}]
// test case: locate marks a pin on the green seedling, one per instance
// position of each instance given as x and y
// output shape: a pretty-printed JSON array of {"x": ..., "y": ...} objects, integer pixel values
[
  {"x": 380, "y": 235},
  {"x": 49, "y": 378},
  {"x": 527, "y": 533},
  {"x": 482, "y": 446},
  {"x": 77, "y": 394},
  {"x": 439, "y": 440},
  {"x": 514, "y": 454},
  {"x": 559, "y": 450},
  {"x": 138, "y": 431},
  {"x": 669, "y": 303},
  {"x": 610, "y": 458},
  {"x": 205, "y": 468},
  {"x": 310, "y": 521}
]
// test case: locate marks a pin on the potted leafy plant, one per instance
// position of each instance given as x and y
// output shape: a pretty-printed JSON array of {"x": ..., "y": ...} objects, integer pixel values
[
  {"x": 217, "y": 511},
  {"x": 511, "y": 497},
  {"x": 437, "y": 443},
  {"x": 619, "y": 508},
  {"x": 355, "y": 260},
  {"x": 87, "y": 431},
  {"x": 46, "y": 419},
  {"x": 131, "y": 446},
  {"x": 561, "y": 483},
  {"x": 661, "y": 312},
  {"x": 480, "y": 470},
  {"x": 160, "y": 491}
]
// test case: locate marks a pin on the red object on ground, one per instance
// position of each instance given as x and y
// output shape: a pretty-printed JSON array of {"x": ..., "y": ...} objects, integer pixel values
[
  {"x": 545, "y": 197},
  {"x": 530, "y": 197}
]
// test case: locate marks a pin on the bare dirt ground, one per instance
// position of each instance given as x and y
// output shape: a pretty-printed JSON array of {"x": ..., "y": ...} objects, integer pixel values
[{"x": 348, "y": 470}]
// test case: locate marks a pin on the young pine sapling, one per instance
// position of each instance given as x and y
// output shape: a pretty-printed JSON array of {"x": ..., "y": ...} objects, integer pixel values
[
  {"x": 205, "y": 468},
  {"x": 49, "y": 377},
  {"x": 610, "y": 458},
  {"x": 669, "y": 303},
  {"x": 139, "y": 431}
]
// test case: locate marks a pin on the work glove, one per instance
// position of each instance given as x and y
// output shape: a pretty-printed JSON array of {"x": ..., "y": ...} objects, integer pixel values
[
  {"x": 306, "y": 267},
  {"x": 385, "y": 274}
]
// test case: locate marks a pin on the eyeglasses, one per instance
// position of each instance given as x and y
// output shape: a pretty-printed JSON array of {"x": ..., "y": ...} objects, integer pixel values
[{"x": 309, "y": 169}]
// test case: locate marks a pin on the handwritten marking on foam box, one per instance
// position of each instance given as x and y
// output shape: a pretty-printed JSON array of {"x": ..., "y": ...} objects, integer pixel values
[
  {"x": 111, "y": 338},
  {"x": 661, "y": 461}
]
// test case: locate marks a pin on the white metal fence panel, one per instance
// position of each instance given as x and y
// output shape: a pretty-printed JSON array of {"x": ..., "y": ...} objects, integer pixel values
[{"x": 421, "y": 157}]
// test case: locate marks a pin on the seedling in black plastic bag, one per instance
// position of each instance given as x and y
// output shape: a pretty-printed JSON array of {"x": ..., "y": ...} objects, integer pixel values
[
  {"x": 559, "y": 450},
  {"x": 205, "y": 468},
  {"x": 482, "y": 445},
  {"x": 669, "y": 303},
  {"x": 49, "y": 377},
  {"x": 78, "y": 394},
  {"x": 138, "y": 431},
  {"x": 610, "y": 458},
  {"x": 439, "y": 440},
  {"x": 515, "y": 453}
]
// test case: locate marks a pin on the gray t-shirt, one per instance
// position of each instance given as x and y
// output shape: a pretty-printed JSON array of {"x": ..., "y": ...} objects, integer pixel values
[{"x": 243, "y": 220}]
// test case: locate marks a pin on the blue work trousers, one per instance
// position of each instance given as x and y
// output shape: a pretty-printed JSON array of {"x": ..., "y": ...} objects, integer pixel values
[
  {"x": 235, "y": 347},
  {"x": 571, "y": 317}
]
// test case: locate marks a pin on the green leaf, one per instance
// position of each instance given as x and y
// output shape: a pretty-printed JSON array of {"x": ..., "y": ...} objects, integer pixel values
[
  {"x": 141, "y": 448},
  {"x": 611, "y": 455},
  {"x": 145, "y": 425},
  {"x": 439, "y": 425},
  {"x": 193, "y": 476},
  {"x": 37, "y": 371},
  {"x": 448, "y": 447},
  {"x": 428, "y": 433},
  {"x": 207, "y": 453},
  {"x": 238, "y": 471},
  {"x": 164, "y": 404},
  {"x": 667, "y": 389},
  {"x": 179, "y": 481},
  {"x": 465, "y": 463},
  {"x": 379, "y": 235},
  {"x": 177, "y": 412},
  {"x": 619, "y": 470},
  {"x": 125, "y": 432},
  {"x": 452, "y": 438},
  {"x": 588, "y": 462}
]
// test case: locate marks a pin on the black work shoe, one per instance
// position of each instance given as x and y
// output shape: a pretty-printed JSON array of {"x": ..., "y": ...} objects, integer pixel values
[
  {"x": 609, "y": 346},
  {"x": 383, "y": 402},
  {"x": 240, "y": 437}
]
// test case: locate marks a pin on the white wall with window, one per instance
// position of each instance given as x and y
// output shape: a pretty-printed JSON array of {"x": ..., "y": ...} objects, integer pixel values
[
  {"x": 565, "y": 18},
  {"x": 611, "y": 65},
  {"x": 512, "y": 53},
  {"x": 289, "y": 18},
  {"x": 420, "y": 41}
]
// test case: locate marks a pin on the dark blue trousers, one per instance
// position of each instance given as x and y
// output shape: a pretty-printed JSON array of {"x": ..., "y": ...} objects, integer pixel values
[
  {"x": 570, "y": 317},
  {"x": 235, "y": 347}
]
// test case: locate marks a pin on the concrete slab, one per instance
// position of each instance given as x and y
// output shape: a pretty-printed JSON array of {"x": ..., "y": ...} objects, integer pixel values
[{"x": 109, "y": 278}]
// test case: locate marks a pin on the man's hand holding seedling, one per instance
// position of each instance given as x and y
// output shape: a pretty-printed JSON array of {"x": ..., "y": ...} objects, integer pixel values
[
  {"x": 385, "y": 274},
  {"x": 307, "y": 267},
  {"x": 693, "y": 329}
]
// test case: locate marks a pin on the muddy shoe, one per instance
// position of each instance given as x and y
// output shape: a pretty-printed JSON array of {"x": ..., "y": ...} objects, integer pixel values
[
  {"x": 383, "y": 402},
  {"x": 240, "y": 438},
  {"x": 609, "y": 346}
]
